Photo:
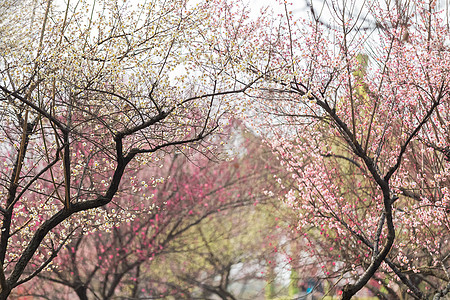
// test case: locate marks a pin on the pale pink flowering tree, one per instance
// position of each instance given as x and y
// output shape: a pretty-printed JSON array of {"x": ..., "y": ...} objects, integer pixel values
[
  {"x": 361, "y": 103},
  {"x": 92, "y": 92}
]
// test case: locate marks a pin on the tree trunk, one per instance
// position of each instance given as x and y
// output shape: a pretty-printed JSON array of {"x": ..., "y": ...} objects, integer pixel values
[
  {"x": 4, "y": 294},
  {"x": 81, "y": 291}
]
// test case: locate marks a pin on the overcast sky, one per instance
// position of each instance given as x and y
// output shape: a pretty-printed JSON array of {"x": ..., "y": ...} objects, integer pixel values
[{"x": 298, "y": 7}]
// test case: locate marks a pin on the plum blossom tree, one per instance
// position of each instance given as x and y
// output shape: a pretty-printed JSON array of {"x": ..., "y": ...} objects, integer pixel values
[
  {"x": 184, "y": 227},
  {"x": 91, "y": 93},
  {"x": 360, "y": 98}
]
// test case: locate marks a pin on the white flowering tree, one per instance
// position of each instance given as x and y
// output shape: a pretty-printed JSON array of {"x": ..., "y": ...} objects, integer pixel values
[{"x": 91, "y": 91}]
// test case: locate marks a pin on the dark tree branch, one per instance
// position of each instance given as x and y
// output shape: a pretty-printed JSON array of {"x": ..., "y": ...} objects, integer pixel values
[
  {"x": 409, "y": 139},
  {"x": 24, "y": 100}
]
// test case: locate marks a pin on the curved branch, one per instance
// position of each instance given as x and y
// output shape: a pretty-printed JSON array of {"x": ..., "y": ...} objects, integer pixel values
[{"x": 55, "y": 121}]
